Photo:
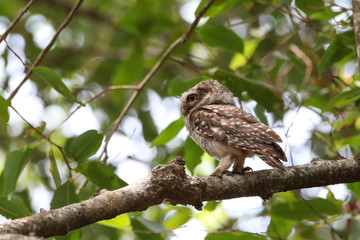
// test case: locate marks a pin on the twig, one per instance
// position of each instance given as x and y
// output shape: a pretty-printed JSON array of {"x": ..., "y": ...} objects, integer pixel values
[
  {"x": 307, "y": 61},
  {"x": 17, "y": 55},
  {"x": 334, "y": 77},
  {"x": 196, "y": 57},
  {"x": 288, "y": 130},
  {"x": 47, "y": 48},
  {"x": 332, "y": 4},
  {"x": 111, "y": 88},
  {"x": 333, "y": 231},
  {"x": 16, "y": 20},
  {"x": 46, "y": 138},
  {"x": 285, "y": 40},
  {"x": 86, "y": 11},
  {"x": 81, "y": 186},
  {"x": 184, "y": 38},
  {"x": 186, "y": 65}
]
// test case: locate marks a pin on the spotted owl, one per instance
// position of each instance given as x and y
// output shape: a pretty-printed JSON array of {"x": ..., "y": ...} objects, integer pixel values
[{"x": 226, "y": 132}]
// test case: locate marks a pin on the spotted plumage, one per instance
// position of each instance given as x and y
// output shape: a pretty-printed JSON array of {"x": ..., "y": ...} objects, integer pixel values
[{"x": 226, "y": 132}]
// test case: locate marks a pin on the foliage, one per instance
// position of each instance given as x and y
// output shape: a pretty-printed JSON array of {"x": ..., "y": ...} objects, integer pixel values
[{"x": 285, "y": 55}]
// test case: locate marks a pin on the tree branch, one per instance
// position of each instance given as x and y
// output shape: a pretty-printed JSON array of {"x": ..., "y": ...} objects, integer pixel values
[
  {"x": 356, "y": 16},
  {"x": 170, "y": 184}
]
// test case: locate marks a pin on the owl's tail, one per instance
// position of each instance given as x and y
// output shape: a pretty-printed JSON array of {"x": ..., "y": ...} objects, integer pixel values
[
  {"x": 275, "y": 157},
  {"x": 279, "y": 152},
  {"x": 272, "y": 161}
]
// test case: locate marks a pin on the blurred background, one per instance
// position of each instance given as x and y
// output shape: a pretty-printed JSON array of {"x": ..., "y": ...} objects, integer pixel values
[{"x": 290, "y": 63}]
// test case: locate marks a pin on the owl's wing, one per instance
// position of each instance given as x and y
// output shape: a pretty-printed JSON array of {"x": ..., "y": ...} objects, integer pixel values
[
  {"x": 231, "y": 111},
  {"x": 236, "y": 118},
  {"x": 235, "y": 127}
]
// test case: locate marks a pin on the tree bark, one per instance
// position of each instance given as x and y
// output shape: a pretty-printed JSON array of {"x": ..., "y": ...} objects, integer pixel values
[
  {"x": 170, "y": 184},
  {"x": 356, "y": 17}
]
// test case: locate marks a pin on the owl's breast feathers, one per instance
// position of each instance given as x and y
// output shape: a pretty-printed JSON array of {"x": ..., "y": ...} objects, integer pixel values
[{"x": 237, "y": 128}]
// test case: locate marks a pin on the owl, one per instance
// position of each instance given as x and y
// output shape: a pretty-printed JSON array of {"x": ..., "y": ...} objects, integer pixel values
[{"x": 226, "y": 132}]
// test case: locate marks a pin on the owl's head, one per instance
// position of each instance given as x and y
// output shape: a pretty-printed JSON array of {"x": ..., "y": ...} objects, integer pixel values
[{"x": 205, "y": 93}]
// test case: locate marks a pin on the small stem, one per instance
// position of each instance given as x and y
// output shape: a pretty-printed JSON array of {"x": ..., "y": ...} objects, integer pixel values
[
  {"x": 46, "y": 49},
  {"x": 16, "y": 20},
  {"x": 111, "y": 88},
  {"x": 44, "y": 137}
]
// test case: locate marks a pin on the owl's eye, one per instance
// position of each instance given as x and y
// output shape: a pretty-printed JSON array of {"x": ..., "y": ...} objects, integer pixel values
[{"x": 191, "y": 97}]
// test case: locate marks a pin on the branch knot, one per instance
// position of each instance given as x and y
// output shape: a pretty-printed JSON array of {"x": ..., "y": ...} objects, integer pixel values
[{"x": 175, "y": 185}]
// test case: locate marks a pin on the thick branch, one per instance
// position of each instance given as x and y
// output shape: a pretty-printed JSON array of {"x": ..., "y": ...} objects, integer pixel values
[{"x": 170, "y": 184}]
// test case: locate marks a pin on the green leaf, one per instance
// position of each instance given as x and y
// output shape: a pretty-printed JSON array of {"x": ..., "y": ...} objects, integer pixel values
[
  {"x": 280, "y": 227},
  {"x": 355, "y": 228},
  {"x": 219, "y": 36},
  {"x": 336, "y": 51},
  {"x": 300, "y": 210},
  {"x": 4, "y": 114},
  {"x": 23, "y": 195},
  {"x": 309, "y": 6},
  {"x": 121, "y": 222},
  {"x": 211, "y": 205},
  {"x": 218, "y": 7},
  {"x": 73, "y": 235},
  {"x": 241, "y": 59},
  {"x": 178, "y": 85},
  {"x": 234, "y": 236},
  {"x": 355, "y": 187},
  {"x": 14, "y": 164},
  {"x": 85, "y": 145},
  {"x": 312, "y": 231},
  {"x": 169, "y": 132},
  {"x": 305, "y": 232},
  {"x": 101, "y": 175},
  {"x": 147, "y": 225},
  {"x": 351, "y": 141},
  {"x": 180, "y": 217},
  {"x": 257, "y": 90},
  {"x": 14, "y": 208},
  {"x": 130, "y": 70},
  {"x": 54, "y": 169},
  {"x": 260, "y": 113},
  {"x": 315, "y": 9},
  {"x": 49, "y": 76},
  {"x": 64, "y": 195},
  {"x": 40, "y": 128},
  {"x": 193, "y": 154},
  {"x": 344, "y": 98},
  {"x": 317, "y": 101}
]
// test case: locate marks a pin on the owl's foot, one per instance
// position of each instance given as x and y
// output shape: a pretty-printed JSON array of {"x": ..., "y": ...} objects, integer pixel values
[
  {"x": 246, "y": 169},
  {"x": 242, "y": 171},
  {"x": 220, "y": 173}
]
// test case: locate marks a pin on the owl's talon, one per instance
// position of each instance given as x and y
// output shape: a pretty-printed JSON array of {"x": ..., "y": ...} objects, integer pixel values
[
  {"x": 220, "y": 174},
  {"x": 246, "y": 169},
  {"x": 242, "y": 171},
  {"x": 216, "y": 174}
]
